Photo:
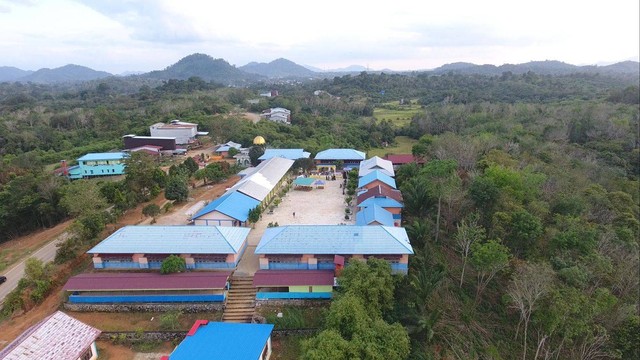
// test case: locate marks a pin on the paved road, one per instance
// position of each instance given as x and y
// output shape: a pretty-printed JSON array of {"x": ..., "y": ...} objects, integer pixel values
[{"x": 46, "y": 253}]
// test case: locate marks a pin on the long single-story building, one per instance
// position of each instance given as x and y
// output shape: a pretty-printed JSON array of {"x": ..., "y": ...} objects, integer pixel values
[
  {"x": 376, "y": 163},
  {"x": 99, "y": 288},
  {"x": 388, "y": 204},
  {"x": 98, "y": 164},
  {"x": 57, "y": 337},
  {"x": 374, "y": 215},
  {"x": 145, "y": 247},
  {"x": 291, "y": 154},
  {"x": 231, "y": 209},
  {"x": 265, "y": 180},
  {"x": 402, "y": 159},
  {"x": 222, "y": 340},
  {"x": 380, "y": 191},
  {"x": 183, "y": 132},
  {"x": 165, "y": 143},
  {"x": 314, "y": 247},
  {"x": 376, "y": 178},
  {"x": 326, "y": 160},
  {"x": 294, "y": 284}
]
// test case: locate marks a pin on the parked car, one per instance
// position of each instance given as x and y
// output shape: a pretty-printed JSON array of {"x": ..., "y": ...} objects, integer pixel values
[{"x": 3, "y": 279}]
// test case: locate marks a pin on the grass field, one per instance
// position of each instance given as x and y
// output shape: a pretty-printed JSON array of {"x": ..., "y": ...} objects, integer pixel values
[
  {"x": 399, "y": 115},
  {"x": 403, "y": 145}
]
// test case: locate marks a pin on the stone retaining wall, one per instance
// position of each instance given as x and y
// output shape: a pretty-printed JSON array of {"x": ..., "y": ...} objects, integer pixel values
[
  {"x": 139, "y": 336},
  {"x": 184, "y": 307}
]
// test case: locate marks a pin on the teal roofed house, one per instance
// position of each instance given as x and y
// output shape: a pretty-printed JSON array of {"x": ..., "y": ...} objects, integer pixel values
[
  {"x": 376, "y": 178},
  {"x": 98, "y": 164},
  {"x": 145, "y": 247},
  {"x": 291, "y": 154},
  {"x": 231, "y": 209},
  {"x": 315, "y": 247},
  {"x": 222, "y": 340}
]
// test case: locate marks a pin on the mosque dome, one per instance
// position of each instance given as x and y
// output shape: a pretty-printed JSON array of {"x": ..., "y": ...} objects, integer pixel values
[{"x": 259, "y": 140}]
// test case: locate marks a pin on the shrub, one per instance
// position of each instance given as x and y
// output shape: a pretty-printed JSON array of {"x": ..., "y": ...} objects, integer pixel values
[
  {"x": 173, "y": 264},
  {"x": 170, "y": 321}
]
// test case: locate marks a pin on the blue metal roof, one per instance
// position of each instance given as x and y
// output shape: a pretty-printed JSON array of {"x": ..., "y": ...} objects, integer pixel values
[
  {"x": 103, "y": 156},
  {"x": 376, "y": 175},
  {"x": 334, "y": 240},
  {"x": 383, "y": 202},
  {"x": 374, "y": 213},
  {"x": 234, "y": 204},
  {"x": 229, "y": 341},
  {"x": 340, "y": 154},
  {"x": 291, "y": 154},
  {"x": 173, "y": 240}
]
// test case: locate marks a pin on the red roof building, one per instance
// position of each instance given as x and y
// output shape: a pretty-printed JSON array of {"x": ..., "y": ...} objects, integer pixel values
[
  {"x": 401, "y": 159},
  {"x": 380, "y": 191}
]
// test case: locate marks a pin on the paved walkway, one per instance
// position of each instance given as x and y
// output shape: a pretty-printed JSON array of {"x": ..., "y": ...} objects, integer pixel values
[{"x": 316, "y": 207}]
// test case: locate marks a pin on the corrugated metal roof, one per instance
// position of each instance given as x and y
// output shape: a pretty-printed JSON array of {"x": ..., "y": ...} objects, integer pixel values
[
  {"x": 374, "y": 213},
  {"x": 382, "y": 202},
  {"x": 334, "y": 239},
  {"x": 340, "y": 154},
  {"x": 380, "y": 191},
  {"x": 376, "y": 163},
  {"x": 103, "y": 156},
  {"x": 291, "y": 154},
  {"x": 400, "y": 159},
  {"x": 292, "y": 277},
  {"x": 58, "y": 336},
  {"x": 229, "y": 341},
  {"x": 173, "y": 240},
  {"x": 147, "y": 281},
  {"x": 376, "y": 175},
  {"x": 264, "y": 178},
  {"x": 233, "y": 204}
]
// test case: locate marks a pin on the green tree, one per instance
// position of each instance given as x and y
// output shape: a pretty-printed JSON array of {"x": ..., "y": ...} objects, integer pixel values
[
  {"x": 327, "y": 345},
  {"x": 254, "y": 214},
  {"x": 173, "y": 264},
  {"x": 469, "y": 232},
  {"x": 82, "y": 197},
  {"x": 254, "y": 153},
  {"x": 370, "y": 281},
  {"x": 488, "y": 259},
  {"x": 191, "y": 165},
  {"x": 177, "y": 189},
  {"x": 442, "y": 180},
  {"x": 141, "y": 176},
  {"x": 151, "y": 210},
  {"x": 233, "y": 152}
]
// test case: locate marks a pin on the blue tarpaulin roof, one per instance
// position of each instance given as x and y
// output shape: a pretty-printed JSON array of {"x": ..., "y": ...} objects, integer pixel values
[
  {"x": 376, "y": 175},
  {"x": 374, "y": 213},
  {"x": 173, "y": 240},
  {"x": 234, "y": 204},
  {"x": 291, "y": 154},
  {"x": 229, "y": 341},
  {"x": 340, "y": 154},
  {"x": 334, "y": 239}
]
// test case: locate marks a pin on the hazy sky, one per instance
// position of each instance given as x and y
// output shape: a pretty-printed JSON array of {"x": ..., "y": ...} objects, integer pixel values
[{"x": 144, "y": 35}]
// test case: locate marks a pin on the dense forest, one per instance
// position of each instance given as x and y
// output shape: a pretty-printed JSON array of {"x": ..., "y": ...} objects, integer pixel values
[{"x": 525, "y": 218}]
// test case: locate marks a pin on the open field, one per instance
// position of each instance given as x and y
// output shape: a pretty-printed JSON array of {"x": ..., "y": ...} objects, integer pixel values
[
  {"x": 399, "y": 115},
  {"x": 403, "y": 145}
]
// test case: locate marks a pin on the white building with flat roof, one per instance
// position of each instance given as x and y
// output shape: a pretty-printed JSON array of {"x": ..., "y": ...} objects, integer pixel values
[{"x": 184, "y": 132}]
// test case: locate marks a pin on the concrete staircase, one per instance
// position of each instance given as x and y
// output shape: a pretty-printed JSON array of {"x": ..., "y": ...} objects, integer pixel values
[{"x": 241, "y": 300}]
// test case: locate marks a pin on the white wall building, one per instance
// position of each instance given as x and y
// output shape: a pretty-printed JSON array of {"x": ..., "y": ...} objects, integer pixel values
[{"x": 184, "y": 132}]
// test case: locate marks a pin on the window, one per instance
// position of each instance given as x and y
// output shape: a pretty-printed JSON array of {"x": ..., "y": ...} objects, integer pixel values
[{"x": 87, "y": 354}]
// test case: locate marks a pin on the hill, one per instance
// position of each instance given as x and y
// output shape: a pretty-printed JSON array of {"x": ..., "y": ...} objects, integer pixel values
[
  {"x": 67, "y": 73},
  {"x": 278, "y": 68},
  {"x": 548, "y": 67},
  {"x": 204, "y": 67},
  {"x": 10, "y": 73}
]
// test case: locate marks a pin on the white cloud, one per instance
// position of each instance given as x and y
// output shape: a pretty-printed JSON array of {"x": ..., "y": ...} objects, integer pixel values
[{"x": 404, "y": 34}]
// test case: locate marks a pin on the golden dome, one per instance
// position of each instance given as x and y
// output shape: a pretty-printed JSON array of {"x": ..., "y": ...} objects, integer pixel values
[{"x": 259, "y": 140}]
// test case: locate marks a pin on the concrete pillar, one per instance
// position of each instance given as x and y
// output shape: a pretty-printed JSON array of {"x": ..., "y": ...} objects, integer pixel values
[
  {"x": 312, "y": 263},
  {"x": 97, "y": 262},
  {"x": 264, "y": 263}
]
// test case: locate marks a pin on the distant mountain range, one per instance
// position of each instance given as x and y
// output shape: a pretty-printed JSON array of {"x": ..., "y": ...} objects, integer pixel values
[
  {"x": 279, "y": 68},
  {"x": 219, "y": 70}
]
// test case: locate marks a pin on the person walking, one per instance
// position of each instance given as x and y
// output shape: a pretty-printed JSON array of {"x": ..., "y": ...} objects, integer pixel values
[{"x": 294, "y": 214}]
